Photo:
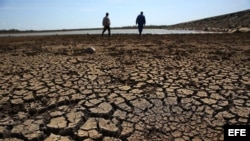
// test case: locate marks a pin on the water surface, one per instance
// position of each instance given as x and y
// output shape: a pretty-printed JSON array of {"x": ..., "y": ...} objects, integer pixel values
[{"x": 113, "y": 31}]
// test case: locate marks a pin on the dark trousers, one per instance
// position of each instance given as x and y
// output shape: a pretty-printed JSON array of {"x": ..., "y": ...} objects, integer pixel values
[
  {"x": 140, "y": 28},
  {"x": 106, "y": 28}
]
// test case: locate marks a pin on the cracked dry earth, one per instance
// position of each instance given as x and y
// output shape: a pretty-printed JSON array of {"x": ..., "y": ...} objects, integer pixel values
[{"x": 157, "y": 87}]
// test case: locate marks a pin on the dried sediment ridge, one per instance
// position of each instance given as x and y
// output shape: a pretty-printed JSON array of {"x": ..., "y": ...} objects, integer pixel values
[
  {"x": 155, "y": 87},
  {"x": 221, "y": 23}
]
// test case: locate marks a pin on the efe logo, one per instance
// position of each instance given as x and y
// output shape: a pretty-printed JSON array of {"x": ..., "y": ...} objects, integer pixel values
[
  {"x": 241, "y": 132},
  {"x": 236, "y": 132}
]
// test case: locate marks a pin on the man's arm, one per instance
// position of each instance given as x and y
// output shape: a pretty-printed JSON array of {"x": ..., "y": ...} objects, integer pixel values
[
  {"x": 108, "y": 20},
  {"x": 103, "y": 21}
]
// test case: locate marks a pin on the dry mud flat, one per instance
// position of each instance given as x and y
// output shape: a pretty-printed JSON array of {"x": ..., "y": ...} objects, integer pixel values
[{"x": 154, "y": 87}]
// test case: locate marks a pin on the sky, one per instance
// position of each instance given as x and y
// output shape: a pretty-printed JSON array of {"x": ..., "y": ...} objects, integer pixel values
[{"x": 75, "y": 14}]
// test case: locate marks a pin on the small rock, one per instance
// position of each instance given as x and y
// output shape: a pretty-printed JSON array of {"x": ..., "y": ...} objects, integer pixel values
[
  {"x": 90, "y": 50},
  {"x": 244, "y": 30}
]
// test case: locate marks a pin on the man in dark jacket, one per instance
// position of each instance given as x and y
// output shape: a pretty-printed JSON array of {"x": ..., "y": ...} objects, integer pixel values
[{"x": 141, "y": 21}]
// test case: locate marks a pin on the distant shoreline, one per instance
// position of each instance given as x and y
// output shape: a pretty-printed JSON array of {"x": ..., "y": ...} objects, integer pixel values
[
  {"x": 83, "y": 29},
  {"x": 97, "y": 31}
]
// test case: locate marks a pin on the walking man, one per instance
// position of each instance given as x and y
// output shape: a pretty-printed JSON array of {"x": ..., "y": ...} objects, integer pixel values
[
  {"x": 141, "y": 21},
  {"x": 106, "y": 24}
]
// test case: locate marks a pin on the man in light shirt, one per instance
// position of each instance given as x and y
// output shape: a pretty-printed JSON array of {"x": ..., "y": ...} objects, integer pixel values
[{"x": 106, "y": 24}]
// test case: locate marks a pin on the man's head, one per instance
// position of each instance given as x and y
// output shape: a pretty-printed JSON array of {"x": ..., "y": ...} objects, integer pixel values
[
  {"x": 107, "y": 14},
  {"x": 141, "y": 12}
]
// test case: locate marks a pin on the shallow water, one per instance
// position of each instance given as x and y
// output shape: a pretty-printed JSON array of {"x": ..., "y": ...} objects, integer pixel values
[{"x": 113, "y": 31}]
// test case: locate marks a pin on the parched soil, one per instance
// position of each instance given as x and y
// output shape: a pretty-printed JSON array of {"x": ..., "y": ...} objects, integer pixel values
[{"x": 154, "y": 87}]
